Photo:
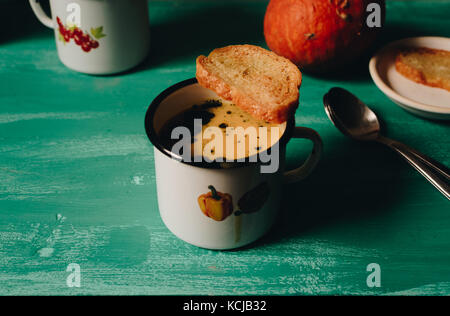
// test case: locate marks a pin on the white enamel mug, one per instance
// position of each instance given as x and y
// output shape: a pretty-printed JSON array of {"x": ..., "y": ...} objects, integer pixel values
[
  {"x": 247, "y": 200},
  {"x": 98, "y": 37}
]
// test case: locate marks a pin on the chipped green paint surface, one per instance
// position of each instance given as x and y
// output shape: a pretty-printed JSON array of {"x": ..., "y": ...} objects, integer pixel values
[{"x": 78, "y": 183}]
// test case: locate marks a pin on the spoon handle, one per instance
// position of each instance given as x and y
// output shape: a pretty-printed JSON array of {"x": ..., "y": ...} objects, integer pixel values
[{"x": 436, "y": 173}]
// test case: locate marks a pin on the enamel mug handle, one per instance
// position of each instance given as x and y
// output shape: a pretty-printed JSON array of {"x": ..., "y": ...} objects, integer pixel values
[
  {"x": 304, "y": 170},
  {"x": 40, "y": 14}
]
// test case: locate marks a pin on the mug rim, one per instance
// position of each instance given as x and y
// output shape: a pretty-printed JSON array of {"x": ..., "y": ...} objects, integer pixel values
[{"x": 156, "y": 141}]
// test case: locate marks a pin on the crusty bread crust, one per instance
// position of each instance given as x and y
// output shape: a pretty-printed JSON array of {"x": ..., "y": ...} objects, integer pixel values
[
  {"x": 413, "y": 73},
  {"x": 277, "y": 111}
]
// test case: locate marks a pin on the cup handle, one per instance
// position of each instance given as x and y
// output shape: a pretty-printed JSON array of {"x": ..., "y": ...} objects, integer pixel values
[
  {"x": 304, "y": 170},
  {"x": 40, "y": 14}
]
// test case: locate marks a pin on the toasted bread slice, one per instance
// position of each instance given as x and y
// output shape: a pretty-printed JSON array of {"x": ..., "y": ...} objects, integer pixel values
[
  {"x": 257, "y": 80},
  {"x": 426, "y": 66}
]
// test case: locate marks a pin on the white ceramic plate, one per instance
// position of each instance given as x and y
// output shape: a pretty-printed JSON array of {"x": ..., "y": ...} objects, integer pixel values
[{"x": 417, "y": 98}]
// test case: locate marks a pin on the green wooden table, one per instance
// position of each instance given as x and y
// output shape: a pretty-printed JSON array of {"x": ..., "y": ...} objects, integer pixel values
[{"x": 78, "y": 183}]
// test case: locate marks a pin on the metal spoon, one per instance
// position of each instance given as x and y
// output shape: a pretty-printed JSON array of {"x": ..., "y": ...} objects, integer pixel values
[{"x": 353, "y": 118}]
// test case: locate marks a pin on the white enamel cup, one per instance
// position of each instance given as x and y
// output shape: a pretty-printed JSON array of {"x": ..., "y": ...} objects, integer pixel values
[
  {"x": 181, "y": 185},
  {"x": 118, "y": 30}
]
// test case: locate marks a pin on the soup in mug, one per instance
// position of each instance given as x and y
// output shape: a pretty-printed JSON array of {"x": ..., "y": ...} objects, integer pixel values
[{"x": 227, "y": 131}]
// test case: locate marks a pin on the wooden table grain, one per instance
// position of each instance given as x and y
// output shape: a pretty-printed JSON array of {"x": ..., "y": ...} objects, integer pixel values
[{"x": 78, "y": 183}]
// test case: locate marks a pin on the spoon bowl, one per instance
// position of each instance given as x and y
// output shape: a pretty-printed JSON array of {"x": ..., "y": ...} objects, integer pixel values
[{"x": 350, "y": 115}]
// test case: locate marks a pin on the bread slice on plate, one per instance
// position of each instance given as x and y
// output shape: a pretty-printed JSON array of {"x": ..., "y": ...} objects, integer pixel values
[
  {"x": 425, "y": 65},
  {"x": 257, "y": 80}
]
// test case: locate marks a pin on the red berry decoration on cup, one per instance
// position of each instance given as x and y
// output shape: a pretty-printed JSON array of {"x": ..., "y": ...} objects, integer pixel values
[
  {"x": 85, "y": 38},
  {"x": 86, "y": 47},
  {"x": 70, "y": 33},
  {"x": 94, "y": 44},
  {"x": 80, "y": 38},
  {"x": 77, "y": 39},
  {"x": 77, "y": 32}
]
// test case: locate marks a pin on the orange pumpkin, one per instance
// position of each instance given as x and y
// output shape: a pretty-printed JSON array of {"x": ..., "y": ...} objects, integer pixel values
[{"x": 319, "y": 35}]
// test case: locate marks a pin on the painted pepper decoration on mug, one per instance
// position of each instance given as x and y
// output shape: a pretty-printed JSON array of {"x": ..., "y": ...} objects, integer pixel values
[
  {"x": 83, "y": 39},
  {"x": 216, "y": 205},
  {"x": 219, "y": 206}
]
